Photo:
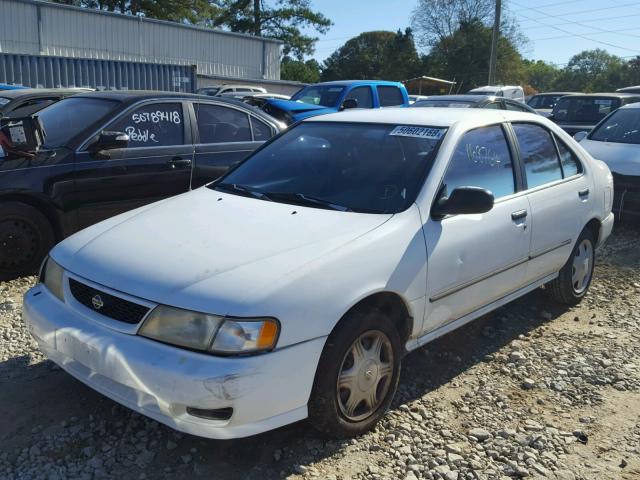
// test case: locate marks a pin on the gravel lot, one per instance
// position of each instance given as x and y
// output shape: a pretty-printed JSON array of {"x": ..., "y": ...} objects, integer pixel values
[{"x": 532, "y": 390}]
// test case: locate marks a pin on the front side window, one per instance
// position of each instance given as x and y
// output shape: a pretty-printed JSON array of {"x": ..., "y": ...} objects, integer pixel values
[
  {"x": 481, "y": 159},
  {"x": 373, "y": 168},
  {"x": 538, "y": 153},
  {"x": 218, "y": 124},
  {"x": 514, "y": 107},
  {"x": 493, "y": 106},
  {"x": 621, "y": 127},
  {"x": 543, "y": 101},
  {"x": 152, "y": 125},
  {"x": 324, "y": 95},
  {"x": 390, "y": 96},
  {"x": 362, "y": 95},
  {"x": 65, "y": 119}
]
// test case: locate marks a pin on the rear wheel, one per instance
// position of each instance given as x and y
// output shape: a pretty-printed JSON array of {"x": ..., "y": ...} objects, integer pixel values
[
  {"x": 26, "y": 237},
  {"x": 574, "y": 279},
  {"x": 357, "y": 375}
]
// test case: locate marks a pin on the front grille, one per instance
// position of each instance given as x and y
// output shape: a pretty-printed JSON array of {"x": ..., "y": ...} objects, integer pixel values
[{"x": 106, "y": 304}]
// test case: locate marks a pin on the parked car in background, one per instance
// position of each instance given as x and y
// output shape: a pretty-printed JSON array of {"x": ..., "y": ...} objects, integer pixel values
[
  {"x": 12, "y": 101},
  {"x": 259, "y": 99},
  {"x": 513, "y": 92},
  {"x": 474, "y": 101},
  {"x": 635, "y": 89},
  {"x": 331, "y": 97},
  {"x": 108, "y": 152},
  {"x": 616, "y": 141},
  {"x": 293, "y": 286},
  {"x": 5, "y": 86},
  {"x": 414, "y": 98},
  {"x": 543, "y": 103},
  {"x": 575, "y": 113},
  {"x": 219, "y": 90}
]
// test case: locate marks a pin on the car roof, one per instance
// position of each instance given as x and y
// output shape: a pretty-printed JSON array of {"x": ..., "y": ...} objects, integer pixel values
[
  {"x": 38, "y": 92},
  {"x": 461, "y": 98},
  {"x": 134, "y": 95},
  {"x": 492, "y": 88},
  {"x": 635, "y": 106},
  {"x": 346, "y": 83},
  {"x": 557, "y": 93},
  {"x": 433, "y": 117},
  {"x": 605, "y": 94}
]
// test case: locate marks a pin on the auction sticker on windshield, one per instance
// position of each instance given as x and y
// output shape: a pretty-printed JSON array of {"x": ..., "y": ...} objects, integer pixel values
[{"x": 418, "y": 132}]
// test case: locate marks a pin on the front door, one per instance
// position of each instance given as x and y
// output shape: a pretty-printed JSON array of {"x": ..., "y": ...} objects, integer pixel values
[
  {"x": 476, "y": 259},
  {"x": 224, "y": 136},
  {"x": 155, "y": 165}
]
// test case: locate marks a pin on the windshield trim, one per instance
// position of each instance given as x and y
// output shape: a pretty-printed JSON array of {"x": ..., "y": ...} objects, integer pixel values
[{"x": 408, "y": 201}]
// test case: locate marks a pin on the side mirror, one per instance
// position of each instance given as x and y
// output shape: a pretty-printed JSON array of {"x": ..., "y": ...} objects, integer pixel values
[
  {"x": 464, "y": 200},
  {"x": 110, "y": 141},
  {"x": 578, "y": 137},
  {"x": 349, "y": 103}
]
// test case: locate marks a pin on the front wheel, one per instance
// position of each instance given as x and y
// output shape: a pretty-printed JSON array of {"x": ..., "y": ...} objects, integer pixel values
[
  {"x": 357, "y": 375},
  {"x": 574, "y": 279}
]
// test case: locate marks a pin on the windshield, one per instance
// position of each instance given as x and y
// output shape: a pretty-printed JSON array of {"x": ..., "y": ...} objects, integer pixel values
[
  {"x": 584, "y": 109},
  {"x": 623, "y": 126},
  {"x": 65, "y": 119},
  {"x": 484, "y": 92},
  {"x": 543, "y": 101},
  {"x": 443, "y": 103},
  {"x": 324, "y": 95},
  {"x": 370, "y": 168}
]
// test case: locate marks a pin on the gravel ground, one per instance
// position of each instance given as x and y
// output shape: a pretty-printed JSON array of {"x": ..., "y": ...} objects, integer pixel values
[{"x": 532, "y": 390}]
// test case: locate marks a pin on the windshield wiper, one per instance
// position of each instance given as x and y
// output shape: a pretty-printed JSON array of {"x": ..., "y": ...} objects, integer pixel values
[
  {"x": 243, "y": 190},
  {"x": 303, "y": 199}
]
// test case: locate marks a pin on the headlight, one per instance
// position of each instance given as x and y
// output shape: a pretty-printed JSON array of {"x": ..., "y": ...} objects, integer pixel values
[
  {"x": 51, "y": 276},
  {"x": 211, "y": 333}
]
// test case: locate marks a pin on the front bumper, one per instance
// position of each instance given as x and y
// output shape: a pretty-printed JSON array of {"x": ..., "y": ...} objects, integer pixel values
[
  {"x": 626, "y": 196},
  {"x": 160, "y": 381}
]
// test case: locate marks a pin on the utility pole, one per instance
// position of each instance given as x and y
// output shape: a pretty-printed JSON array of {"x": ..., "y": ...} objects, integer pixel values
[{"x": 493, "y": 59}]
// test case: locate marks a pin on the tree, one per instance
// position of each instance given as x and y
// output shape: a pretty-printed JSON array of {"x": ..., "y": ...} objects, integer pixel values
[
  {"x": 540, "y": 75},
  {"x": 374, "y": 55},
  {"x": 592, "y": 71},
  {"x": 464, "y": 57},
  {"x": 282, "y": 21},
  {"x": 435, "y": 20},
  {"x": 299, "y": 71}
]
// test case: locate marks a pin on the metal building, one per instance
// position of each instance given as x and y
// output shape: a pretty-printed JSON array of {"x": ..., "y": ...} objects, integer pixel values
[{"x": 32, "y": 27}]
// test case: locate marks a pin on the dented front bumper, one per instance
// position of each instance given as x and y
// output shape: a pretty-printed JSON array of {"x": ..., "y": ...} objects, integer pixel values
[{"x": 160, "y": 381}]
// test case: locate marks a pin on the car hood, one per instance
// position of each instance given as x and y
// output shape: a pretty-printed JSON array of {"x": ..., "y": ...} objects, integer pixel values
[
  {"x": 297, "y": 107},
  {"x": 621, "y": 158},
  {"x": 205, "y": 249}
]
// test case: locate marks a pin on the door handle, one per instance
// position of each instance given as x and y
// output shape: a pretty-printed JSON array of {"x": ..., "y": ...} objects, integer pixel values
[
  {"x": 520, "y": 214},
  {"x": 179, "y": 162},
  {"x": 583, "y": 193}
]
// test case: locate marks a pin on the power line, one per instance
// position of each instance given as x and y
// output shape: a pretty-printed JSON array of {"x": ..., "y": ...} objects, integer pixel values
[
  {"x": 555, "y": 4},
  {"x": 562, "y": 15},
  {"x": 590, "y": 33},
  {"x": 598, "y": 20}
]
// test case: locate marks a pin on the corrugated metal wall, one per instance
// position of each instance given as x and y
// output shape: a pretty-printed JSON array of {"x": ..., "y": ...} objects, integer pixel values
[
  {"x": 39, "y": 28},
  {"x": 47, "y": 71}
]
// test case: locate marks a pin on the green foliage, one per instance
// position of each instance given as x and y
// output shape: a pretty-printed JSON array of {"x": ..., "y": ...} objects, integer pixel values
[
  {"x": 464, "y": 57},
  {"x": 299, "y": 71},
  {"x": 540, "y": 75},
  {"x": 282, "y": 21},
  {"x": 592, "y": 71},
  {"x": 374, "y": 55}
]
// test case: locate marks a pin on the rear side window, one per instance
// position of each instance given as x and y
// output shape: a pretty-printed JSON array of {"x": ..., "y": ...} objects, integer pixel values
[
  {"x": 493, "y": 106},
  {"x": 514, "y": 107},
  {"x": 389, "y": 96},
  {"x": 362, "y": 95},
  {"x": 261, "y": 131},
  {"x": 538, "y": 153},
  {"x": 570, "y": 163},
  {"x": 153, "y": 125},
  {"x": 218, "y": 124},
  {"x": 482, "y": 159}
]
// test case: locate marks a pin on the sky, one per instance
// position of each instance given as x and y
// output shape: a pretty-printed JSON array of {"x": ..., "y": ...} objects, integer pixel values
[{"x": 556, "y": 29}]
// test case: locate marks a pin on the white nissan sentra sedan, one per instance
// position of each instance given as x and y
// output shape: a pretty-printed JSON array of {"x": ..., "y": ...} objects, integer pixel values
[{"x": 293, "y": 286}]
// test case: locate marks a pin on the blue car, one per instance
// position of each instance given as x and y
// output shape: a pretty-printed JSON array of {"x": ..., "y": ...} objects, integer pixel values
[
  {"x": 331, "y": 97},
  {"x": 4, "y": 86}
]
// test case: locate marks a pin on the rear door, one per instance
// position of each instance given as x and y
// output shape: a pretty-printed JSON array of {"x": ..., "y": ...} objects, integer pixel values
[
  {"x": 558, "y": 193},
  {"x": 224, "y": 135},
  {"x": 155, "y": 165}
]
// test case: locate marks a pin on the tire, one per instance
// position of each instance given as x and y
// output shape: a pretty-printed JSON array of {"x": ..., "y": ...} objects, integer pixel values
[
  {"x": 565, "y": 288},
  {"x": 331, "y": 410},
  {"x": 26, "y": 236}
]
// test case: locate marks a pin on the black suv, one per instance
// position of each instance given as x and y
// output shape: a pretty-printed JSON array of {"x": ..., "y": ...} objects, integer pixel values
[{"x": 103, "y": 153}]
